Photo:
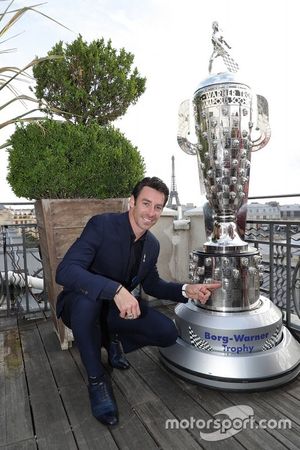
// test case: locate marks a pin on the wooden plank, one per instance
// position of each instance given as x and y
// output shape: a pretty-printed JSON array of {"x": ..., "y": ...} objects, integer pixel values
[
  {"x": 293, "y": 388},
  {"x": 154, "y": 415},
  {"x": 130, "y": 432},
  {"x": 29, "y": 444},
  {"x": 264, "y": 411},
  {"x": 132, "y": 395},
  {"x": 174, "y": 395},
  {"x": 15, "y": 418},
  {"x": 51, "y": 423},
  {"x": 152, "y": 411},
  {"x": 279, "y": 401},
  {"x": 7, "y": 323},
  {"x": 88, "y": 432},
  {"x": 63, "y": 366},
  {"x": 214, "y": 401}
]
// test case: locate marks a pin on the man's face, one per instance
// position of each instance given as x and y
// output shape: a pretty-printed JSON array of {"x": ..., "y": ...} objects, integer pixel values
[{"x": 146, "y": 210}]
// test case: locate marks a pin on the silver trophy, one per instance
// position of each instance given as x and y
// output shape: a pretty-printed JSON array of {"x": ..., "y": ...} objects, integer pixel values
[{"x": 230, "y": 123}]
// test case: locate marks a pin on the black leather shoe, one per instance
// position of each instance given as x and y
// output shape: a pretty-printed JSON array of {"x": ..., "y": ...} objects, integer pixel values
[
  {"x": 116, "y": 357},
  {"x": 103, "y": 403}
]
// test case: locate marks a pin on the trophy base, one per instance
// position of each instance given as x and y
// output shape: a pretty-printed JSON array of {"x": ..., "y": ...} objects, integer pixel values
[{"x": 243, "y": 351}]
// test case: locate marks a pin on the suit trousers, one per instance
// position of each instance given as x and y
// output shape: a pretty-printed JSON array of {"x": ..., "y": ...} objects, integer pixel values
[{"x": 90, "y": 321}]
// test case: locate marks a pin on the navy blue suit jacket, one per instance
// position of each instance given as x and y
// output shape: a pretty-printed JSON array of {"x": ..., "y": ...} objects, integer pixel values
[{"x": 97, "y": 262}]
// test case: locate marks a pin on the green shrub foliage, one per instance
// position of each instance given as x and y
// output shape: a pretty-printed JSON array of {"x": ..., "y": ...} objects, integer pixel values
[
  {"x": 90, "y": 82},
  {"x": 52, "y": 159}
]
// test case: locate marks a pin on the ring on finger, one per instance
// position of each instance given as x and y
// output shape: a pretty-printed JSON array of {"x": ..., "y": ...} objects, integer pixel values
[{"x": 130, "y": 316}]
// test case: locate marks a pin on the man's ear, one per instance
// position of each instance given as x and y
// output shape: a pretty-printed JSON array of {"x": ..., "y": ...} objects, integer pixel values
[{"x": 131, "y": 201}]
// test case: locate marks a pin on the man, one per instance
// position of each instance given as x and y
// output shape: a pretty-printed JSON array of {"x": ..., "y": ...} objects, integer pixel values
[{"x": 114, "y": 254}]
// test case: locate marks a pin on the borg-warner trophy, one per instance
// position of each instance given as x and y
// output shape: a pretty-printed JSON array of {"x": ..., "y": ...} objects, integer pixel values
[{"x": 236, "y": 340}]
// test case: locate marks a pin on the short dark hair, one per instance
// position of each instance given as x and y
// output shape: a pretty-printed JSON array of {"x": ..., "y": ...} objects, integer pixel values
[{"x": 154, "y": 183}]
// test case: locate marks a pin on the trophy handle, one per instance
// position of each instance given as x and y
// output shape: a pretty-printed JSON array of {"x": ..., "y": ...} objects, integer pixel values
[
  {"x": 184, "y": 129},
  {"x": 262, "y": 124}
]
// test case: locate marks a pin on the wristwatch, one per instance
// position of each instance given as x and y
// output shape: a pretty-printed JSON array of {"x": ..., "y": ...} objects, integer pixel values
[{"x": 183, "y": 291}]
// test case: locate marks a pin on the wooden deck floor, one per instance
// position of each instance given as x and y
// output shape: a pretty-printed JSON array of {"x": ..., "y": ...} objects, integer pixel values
[{"x": 44, "y": 402}]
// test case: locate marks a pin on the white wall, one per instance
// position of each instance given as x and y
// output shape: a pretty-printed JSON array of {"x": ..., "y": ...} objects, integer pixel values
[{"x": 177, "y": 239}]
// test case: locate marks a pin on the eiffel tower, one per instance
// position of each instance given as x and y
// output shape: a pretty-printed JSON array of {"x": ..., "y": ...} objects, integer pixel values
[{"x": 173, "y": 201}]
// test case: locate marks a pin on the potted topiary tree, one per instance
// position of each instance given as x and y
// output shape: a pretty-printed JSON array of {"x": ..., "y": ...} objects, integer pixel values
[{"x": 76, "y": 164}]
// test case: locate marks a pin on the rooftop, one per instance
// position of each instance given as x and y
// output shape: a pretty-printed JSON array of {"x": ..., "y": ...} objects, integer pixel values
[
  {"x": 44, "y": 401},
  {"x": 43, "y": 395}
]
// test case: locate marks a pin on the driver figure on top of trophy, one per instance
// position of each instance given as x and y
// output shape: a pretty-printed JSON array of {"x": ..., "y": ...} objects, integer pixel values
[{"x": 219, "y": 42}]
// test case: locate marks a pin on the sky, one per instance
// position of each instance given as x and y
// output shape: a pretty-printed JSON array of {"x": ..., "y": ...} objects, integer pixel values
[{"x": 171, "y": 42}]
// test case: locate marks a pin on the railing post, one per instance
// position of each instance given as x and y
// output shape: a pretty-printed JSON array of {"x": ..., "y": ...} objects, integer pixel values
[
  {"x": 8, "y": 299},
  {"x": 25, "y": 270},
  {"x": 271, "y": 262},
  {"x": 288, "y": 275}
]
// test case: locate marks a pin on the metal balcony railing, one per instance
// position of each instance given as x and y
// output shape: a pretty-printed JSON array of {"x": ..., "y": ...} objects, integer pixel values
[
  {"x": 279, "y": 243},
  {"x": 21, "y": 267},
  {"x": 21, "y": 271}
]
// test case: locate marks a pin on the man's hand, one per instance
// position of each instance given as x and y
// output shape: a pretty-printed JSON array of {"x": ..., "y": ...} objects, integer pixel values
[
  {"x": 201, "y": 292},
  {"x": 127, "y": 304}
]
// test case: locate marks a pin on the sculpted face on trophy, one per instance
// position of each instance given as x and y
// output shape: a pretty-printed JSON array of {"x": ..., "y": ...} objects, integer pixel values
[{"x": 230, "y": 123}]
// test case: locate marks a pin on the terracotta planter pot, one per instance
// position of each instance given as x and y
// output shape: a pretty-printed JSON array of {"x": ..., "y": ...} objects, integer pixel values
[{"x": 60, "y": 222}]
